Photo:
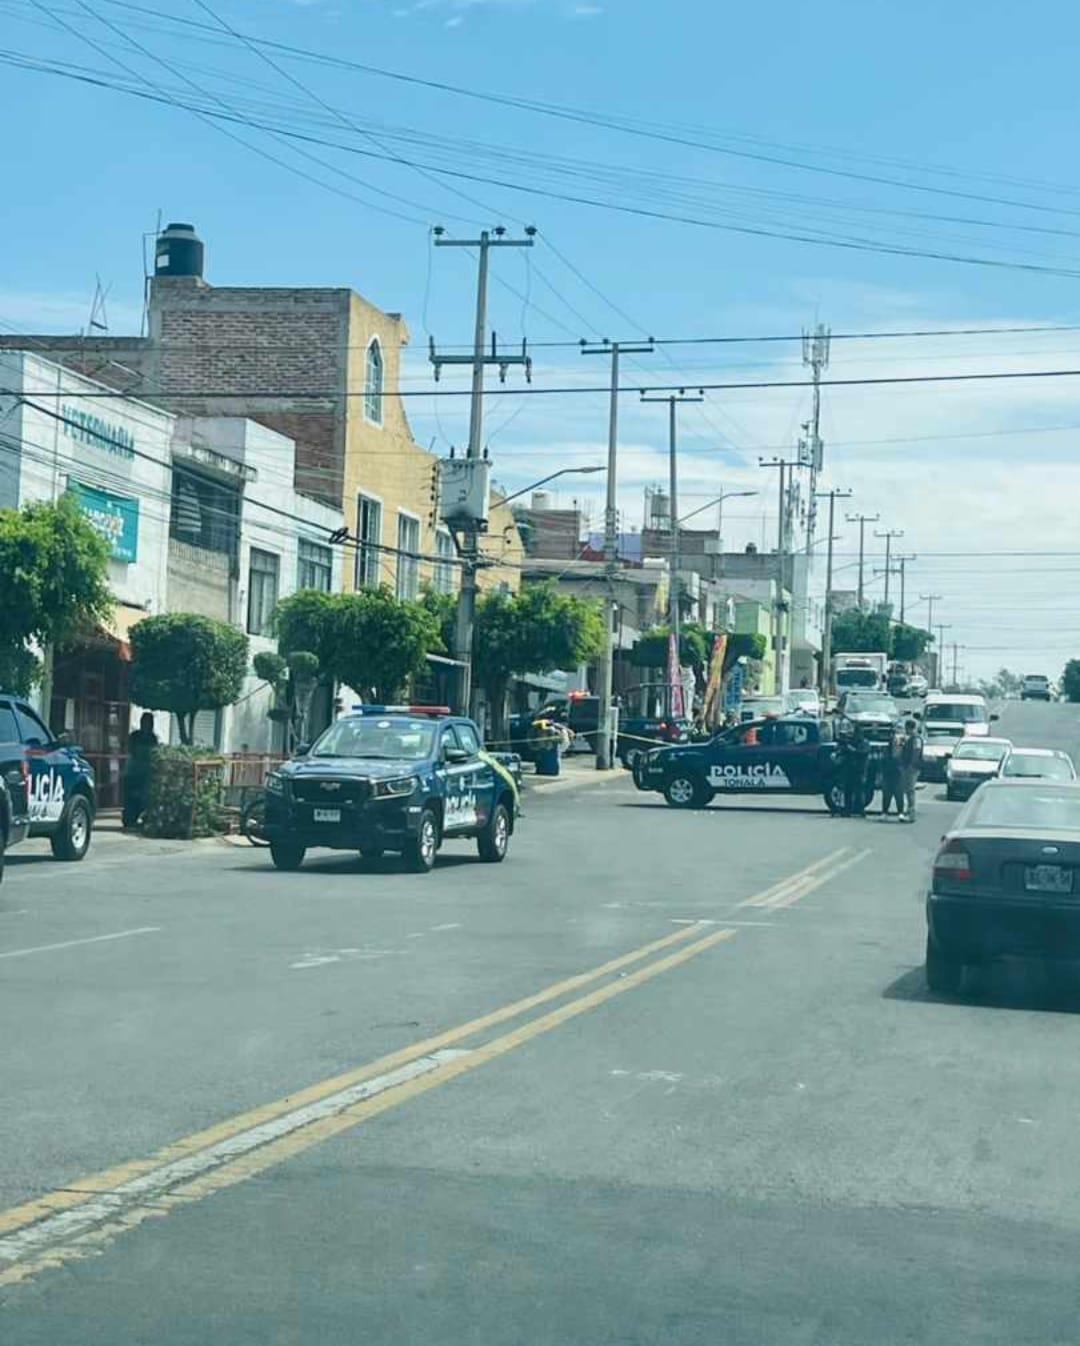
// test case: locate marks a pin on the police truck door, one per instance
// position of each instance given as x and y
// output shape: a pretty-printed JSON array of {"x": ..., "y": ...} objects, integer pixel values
[{"x": 50, "y": 769}]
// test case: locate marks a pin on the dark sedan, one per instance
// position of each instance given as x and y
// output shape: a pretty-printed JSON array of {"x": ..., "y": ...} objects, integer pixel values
[{"x": 1004, "y": 880}]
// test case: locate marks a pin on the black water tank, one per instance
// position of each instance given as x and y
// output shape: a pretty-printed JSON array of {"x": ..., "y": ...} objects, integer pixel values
[{"x": 179, "y": 252}]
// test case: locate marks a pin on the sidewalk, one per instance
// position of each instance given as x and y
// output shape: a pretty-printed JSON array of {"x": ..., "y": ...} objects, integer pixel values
[{"x": 577, "y": 771}]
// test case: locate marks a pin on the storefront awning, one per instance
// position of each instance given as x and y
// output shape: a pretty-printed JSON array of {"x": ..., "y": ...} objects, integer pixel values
[{"x": 117, "y": 629}]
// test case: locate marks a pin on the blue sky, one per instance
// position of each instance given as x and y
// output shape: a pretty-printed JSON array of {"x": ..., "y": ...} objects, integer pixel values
[{"x": 963, "y": 109}]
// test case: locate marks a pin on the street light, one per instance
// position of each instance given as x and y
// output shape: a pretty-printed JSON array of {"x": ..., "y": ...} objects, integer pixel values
[
  {"x": 719, "y": 500},
  {"x": 562, "y": 472}
]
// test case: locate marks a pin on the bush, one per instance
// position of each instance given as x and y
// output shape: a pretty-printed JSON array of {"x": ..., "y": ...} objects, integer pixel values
[{"x": 186, "y": 799}]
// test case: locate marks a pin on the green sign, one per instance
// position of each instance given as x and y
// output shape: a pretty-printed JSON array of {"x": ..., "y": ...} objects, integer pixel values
[{"x": 116, "y": 518}]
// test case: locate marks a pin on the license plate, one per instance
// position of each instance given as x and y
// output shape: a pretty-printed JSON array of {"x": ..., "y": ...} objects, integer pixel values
[
  {"x": 1048, "y": 879},
  {"x": 326, "y": 815}
]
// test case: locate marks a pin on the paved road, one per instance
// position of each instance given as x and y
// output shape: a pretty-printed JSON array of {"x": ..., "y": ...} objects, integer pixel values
[{"x": 661, "y": 1077}]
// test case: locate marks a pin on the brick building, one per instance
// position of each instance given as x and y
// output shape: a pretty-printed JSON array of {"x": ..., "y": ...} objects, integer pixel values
[{"x": 320, "y": 366}]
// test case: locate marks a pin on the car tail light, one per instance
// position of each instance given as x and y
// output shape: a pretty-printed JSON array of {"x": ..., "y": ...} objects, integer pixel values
[{"x": 953, "y": 862}]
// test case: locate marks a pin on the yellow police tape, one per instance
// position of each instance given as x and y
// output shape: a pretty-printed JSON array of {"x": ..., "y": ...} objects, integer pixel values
[{"x": 507, "y": 776}]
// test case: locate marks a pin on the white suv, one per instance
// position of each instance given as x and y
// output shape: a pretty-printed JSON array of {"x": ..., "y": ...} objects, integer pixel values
[{"x": 1035, "y": 687}]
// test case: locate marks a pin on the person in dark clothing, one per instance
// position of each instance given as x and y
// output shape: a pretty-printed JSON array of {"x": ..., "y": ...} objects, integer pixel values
[
  {"x": 911, "y": 754},
  {"x": 855, "y": 764},
  {"x": 141, "y": 744},
  {"x": 891, "y": 782}
]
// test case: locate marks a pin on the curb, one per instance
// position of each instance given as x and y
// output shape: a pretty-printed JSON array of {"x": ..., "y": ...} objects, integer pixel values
[{"x": 554, "y": 784}]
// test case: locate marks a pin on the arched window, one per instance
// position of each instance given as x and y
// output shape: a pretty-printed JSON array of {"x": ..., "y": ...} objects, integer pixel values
[{"x": 373, "y": 383}]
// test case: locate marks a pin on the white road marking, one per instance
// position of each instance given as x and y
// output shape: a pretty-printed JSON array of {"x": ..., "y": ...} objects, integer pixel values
[
  {"x": 320, "y": 957},
  {"x": 75, "y": 943},
  {"x": 158, "y": 1182},
  {"x": 451, "y": 925}
]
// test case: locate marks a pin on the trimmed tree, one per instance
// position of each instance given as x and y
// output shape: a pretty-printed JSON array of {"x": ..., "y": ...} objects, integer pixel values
[
  {"x": 53, "y": 584},
  {"x": 184, "y": 663},
  {"x": 370, "y": 640},
  {"x": 534, "y": 631}
]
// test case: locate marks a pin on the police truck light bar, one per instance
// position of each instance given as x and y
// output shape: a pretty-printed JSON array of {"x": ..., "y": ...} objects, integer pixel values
[{"x": 366, "y": 709}]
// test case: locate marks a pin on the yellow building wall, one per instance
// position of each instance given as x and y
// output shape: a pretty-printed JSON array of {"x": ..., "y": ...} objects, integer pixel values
[{"x": 385, "y": 463}]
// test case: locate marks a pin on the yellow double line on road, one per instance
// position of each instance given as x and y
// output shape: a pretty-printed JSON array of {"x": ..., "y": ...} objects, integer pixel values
[
  {"x": 790, "y": 890},
  {"x": 77, "y": 1220}
]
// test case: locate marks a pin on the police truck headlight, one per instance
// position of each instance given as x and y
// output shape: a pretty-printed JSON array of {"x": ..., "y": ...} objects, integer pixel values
[
  {"x": 275, "y": 784},
  {"x": 393, "y": 789}
]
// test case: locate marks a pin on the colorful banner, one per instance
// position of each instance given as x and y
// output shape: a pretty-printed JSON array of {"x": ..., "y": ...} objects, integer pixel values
[{"x": 674, "y": 677}]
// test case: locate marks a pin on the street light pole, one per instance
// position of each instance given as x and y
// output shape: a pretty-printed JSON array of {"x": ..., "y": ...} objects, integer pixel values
[{"x": 779, "y": 664}]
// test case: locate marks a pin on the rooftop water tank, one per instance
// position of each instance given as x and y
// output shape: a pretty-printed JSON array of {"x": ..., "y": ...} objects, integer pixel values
[{"x": 179, "y": 252}]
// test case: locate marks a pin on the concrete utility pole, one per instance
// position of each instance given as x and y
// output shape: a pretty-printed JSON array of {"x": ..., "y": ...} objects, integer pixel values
[
  {"x": 783, "y": 464},
  {"x": 888, "y": 534},
  {"x": 815, "y": 353},
  {"x": 942, "y": 627},
  {"x": 673, "y": 400},
  {"x": 611, "y": 545},
  {"x": 930, "y": 600},
  {"x": 901, "y": 562},
  {"x": 862, "y": 520},
  {"x": 826, "y": 636},
  {"x": 468, "y": 546}
]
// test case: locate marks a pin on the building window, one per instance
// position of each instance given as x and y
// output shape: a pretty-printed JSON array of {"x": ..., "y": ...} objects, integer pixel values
[
  {"x": 262, "y": 591},
  {"x": 205, "y": 513},
  {"x": 373, "y": 383},
  {"x": 368, "y": 536},
  {"x": 444, "y": 571},
  {"x": 408, "y": 566},
  {"x": 315, "y": 567}
]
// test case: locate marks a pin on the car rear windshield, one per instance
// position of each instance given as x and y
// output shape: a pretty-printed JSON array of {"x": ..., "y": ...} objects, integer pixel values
[
  {"x": 1025, "y": 806},
  {"x": 981, "y": 750},
  {"x": 1036, "y": 765},
  {"x": 962, "y": 712},
  {"x": 380, "y": 738}
]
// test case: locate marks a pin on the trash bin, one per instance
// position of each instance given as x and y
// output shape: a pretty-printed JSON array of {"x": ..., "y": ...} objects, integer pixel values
[{"x": 547, "y": 759}]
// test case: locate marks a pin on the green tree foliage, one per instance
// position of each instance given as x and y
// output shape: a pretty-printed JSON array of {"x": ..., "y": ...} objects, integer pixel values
[
  {"x": 534, "y": 631},
  {"x": 370, "y": 640},
  {"x": 53, "y": 584},
  {"x": 184, "y": 663},
  {"x": 909, "y": 643},
  {"x": 443, "y": 607},
  {"x": 744, "y": 645},
  {"x": 293, "y": 680},
  {"x": 1070, "y": 680},
  {"x": 858, "y": 631}
]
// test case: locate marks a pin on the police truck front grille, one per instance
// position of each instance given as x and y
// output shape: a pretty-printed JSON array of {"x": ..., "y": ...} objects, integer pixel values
[{"x": 314, "y": 790}]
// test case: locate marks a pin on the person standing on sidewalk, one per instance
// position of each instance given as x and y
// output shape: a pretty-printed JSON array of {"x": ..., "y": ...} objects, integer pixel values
[
  {"x": 141, "y": 744},
  {"x": 911, "y": 752}
]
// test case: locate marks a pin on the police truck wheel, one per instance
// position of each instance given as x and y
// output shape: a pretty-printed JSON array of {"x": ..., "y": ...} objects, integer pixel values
[
  {"x": 493, "y": 841},
  {"x": 3, "y": 842},
  {"x": 287, "y": 854},
  {"x": 686, "y": 792},
  {"x": 834, "y": 798},
  {"x": 71, "y": 840},
  {"x": 419, "y": 850}
]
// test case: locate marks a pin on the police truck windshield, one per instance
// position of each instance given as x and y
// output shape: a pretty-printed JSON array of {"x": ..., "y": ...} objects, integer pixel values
[{"x": 362, "y": 736}]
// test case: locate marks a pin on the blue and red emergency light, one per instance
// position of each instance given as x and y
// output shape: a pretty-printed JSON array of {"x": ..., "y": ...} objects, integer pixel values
[{"x": 366, "y": 709}]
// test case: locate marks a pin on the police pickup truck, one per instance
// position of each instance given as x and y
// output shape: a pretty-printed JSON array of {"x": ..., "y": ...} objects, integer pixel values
[
  {"x": 393, "y": 778},
  {"x": 792, "y": 754},
  {"x": 49, "y": 786}
]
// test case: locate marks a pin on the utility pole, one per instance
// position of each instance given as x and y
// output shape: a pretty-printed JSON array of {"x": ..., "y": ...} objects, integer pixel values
[
  {"x": 930, "y": 600},
  {"x": 888, "y": 534},
  {"x": 611, "y": 545},
  {"x": 942, "y": 627},
  {"x": 826, "y": 636},
  {"x": 780, "y": 663},
  {"x": 468, "y": 545},
  {"x": 815, "y": 354},
  {"x": 955, "y": 660},
  {"x": 902, "y": 561},
  {"x": 862, "y": 520},
  {"x": 673, "y": 400}
]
